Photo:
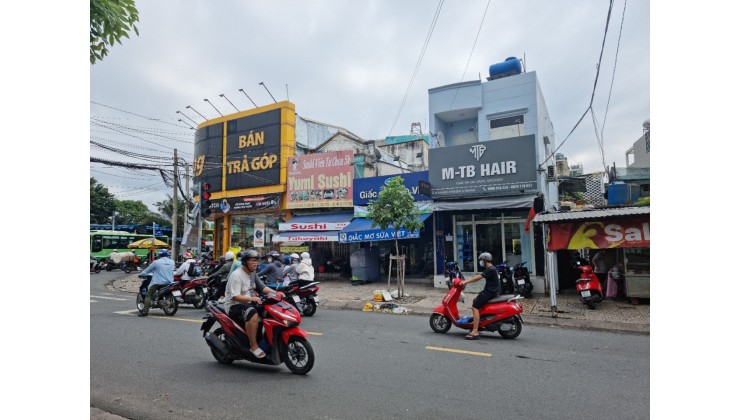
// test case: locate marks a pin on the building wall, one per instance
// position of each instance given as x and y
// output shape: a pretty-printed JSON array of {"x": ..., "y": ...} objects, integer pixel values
[
  {"x": 312, "y": 133},
  {"x": 640, "y": 154}
]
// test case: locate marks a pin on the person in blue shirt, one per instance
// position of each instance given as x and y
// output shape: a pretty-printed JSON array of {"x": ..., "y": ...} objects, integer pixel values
[{"x": 162, "y": 271}]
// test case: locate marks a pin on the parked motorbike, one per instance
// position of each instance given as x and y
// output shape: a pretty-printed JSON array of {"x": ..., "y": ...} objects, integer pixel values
[
  {"x": 522, "y": 284},
  {"x": 501, "y": 314},
  {"x": 505, "y": 277},
  {"x": 193, "y": 291},
  {"x": 279, "y": 336},
  {"x": 95, "y": 265},
  {"x": 452, "y": 272},
  {"x": 337, "y": 265},
  {"x": 165, "y": 298},
  {"x": 589, "y": 286},
  {"x": 302, "y": 294}
]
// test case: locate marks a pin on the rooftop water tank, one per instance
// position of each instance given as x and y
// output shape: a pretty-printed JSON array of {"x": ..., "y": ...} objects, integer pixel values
[{"x": 510, "y": 67}]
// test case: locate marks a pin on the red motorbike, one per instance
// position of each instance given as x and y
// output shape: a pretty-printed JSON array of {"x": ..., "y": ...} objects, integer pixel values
[
  {"x": 501, "y": 314},
  {"x": 589, "y": 286},
  {"x": 192, "y": 291},
  {"x": 279, "y": 336}
]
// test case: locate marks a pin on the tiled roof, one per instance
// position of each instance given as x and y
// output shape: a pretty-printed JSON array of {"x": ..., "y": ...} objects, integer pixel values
[{"x": 591, "y": 214}]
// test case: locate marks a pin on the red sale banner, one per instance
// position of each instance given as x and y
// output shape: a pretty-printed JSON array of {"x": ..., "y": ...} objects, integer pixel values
[{"x": 622, "y": 233}]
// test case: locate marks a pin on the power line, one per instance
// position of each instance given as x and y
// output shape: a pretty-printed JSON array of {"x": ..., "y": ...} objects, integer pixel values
[
  {"x": 418, "y": 64},
  {"x": 471, "y": 52},
  {"x": 593, "y": 92}
]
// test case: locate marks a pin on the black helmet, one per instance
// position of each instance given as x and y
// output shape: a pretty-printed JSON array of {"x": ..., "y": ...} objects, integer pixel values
[{"x": 250, "y": 253}]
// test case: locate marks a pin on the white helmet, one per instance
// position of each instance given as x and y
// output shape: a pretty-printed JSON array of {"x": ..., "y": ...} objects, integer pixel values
[
  {"x": 305, "y": 255},
  {"x": 229, "y": 256},
  {"x": 294, "y": 256}
]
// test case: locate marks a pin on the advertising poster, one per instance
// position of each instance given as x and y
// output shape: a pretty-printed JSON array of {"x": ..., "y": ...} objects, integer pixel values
[
  {"x": 594, "y": 234},
  {"x": 259, "y": 235},
  {"x": 320, "y": 180},
  {"x": 246, "y": 203}
]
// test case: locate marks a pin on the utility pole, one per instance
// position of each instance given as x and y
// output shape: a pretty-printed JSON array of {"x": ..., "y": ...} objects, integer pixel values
[
  {"x": 175, "y": 248},
  {"x": 185, "y": 199},
  {"x": 200, "y": 220}
]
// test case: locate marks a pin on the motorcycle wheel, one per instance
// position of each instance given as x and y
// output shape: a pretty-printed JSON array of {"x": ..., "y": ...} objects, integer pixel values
[
  {"x": 140, "y": 302},
  {"x": 127, "y": 268},
  {"x": 200, "y": 298},
  {"x": 439, "y": 323},
  {"x": 298, "y": 355},
  {"x": 590, "y": 303},
  {"x": 310, "y": 308},
  {"x": 515, "y": 331},
  {"x": 216, "y": 355},
  {"x": 108, "y": 267},
  {"x": 172, "y": 307},
  {"x": 97, "y": 268}
]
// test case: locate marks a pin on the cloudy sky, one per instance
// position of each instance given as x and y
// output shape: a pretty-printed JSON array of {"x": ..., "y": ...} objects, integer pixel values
[{"x": 350, "y": 63}]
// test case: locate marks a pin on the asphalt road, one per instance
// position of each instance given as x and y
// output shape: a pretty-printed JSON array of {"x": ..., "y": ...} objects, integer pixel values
[{"x": 367, "y": 364}]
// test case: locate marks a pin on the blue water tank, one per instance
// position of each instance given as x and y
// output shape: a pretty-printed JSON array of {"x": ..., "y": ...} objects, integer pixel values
[
  {"x": 509, "y": 67},
  {"x": 620, "y": 193}
]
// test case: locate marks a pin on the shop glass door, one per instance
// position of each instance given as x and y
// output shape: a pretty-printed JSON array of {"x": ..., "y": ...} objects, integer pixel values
[
  {"x": 465, "y": 247},
  {"x": 488, "y": 239}
]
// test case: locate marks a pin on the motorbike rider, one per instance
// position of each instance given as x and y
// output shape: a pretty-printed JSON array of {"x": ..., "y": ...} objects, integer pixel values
[
  {"x": 291, "y": 263},
  {"x": 237, "y": 263},
  {"x": 490, "y": 290},
  {"x": 162, "y": 271},
  {"x": 273, "y": 270},
  {"x": 222, "y": 273},
  {"x": 241, "y": 301},
  {"x": 184, "y": 267},
  {"x": 305, "y": 268}
]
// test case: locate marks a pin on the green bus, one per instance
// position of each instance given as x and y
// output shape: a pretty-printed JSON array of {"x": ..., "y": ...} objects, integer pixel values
[{"x": 104, "y": 242}]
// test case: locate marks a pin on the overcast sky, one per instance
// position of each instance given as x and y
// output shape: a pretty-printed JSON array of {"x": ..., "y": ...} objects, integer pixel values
[{"x": 349, "y": 63}]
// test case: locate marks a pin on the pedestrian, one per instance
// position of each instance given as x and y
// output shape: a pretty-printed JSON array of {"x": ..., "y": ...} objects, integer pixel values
[{"x": 598, "y": 262}]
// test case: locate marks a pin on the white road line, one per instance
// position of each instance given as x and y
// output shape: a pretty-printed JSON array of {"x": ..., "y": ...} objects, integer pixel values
[
  {"x": 105, "y": 297},
  {"x": 93, "y": 301}
]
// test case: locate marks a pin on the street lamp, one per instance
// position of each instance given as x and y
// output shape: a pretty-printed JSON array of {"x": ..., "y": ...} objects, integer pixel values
[
  {"x": 190, "y": 107},
  {"x": 250, "y": 99},
  {"x": 227, "y": 99},
  {"x": 183, "y": 114},
  {"x": 214, "y": 107},
  {"x": 268, "y": 91}
]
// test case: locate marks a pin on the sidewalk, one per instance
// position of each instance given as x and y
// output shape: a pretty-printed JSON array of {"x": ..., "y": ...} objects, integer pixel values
[{"x": 421, "y": 298}]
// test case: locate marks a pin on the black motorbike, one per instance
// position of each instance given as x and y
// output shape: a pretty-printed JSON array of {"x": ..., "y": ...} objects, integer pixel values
[
  {"x": 165, "y": 298},
  {"x": 522, "y": 284},
  {"x": 505, "y": 277},
  {"x": 95, "y": 265},
  {"x": 452, "y": 271}
]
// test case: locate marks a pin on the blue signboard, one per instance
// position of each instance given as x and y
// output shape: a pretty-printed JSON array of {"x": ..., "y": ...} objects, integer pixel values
[
  {"x": 361, "y": 230},
  {"x": 365, "y": 190}
]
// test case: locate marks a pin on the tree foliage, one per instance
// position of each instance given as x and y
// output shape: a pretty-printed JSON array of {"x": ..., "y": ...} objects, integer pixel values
[
  {"x": 110, "y": 21},
  {"x": 137, "y": 213},
  {"x": 165, "y": 209},
  {"x": 394, "y": 208},
  {"x": 102, "y": 203}
]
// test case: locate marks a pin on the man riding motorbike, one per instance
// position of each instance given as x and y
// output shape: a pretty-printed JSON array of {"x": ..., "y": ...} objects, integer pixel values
[
  {"x": 184, "y": 268},
  {"x": 291, "y": 263},
  {"x": 222, "y": 273},
  {"x": 241, "y": 300},
  {"x": 162, "y": 275},
  {"x": 274, "y": 268},
  {"x": 490, "y": 291}
]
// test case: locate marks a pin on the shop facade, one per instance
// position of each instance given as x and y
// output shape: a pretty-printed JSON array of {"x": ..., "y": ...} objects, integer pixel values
[{"x": 621, "y": 235}]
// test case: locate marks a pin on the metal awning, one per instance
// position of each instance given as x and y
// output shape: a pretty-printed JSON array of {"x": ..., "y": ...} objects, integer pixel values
[{"x": 553, "y": 217}]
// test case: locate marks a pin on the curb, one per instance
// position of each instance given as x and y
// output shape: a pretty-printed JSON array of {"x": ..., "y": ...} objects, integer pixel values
[{"x": 130, "y": 284}]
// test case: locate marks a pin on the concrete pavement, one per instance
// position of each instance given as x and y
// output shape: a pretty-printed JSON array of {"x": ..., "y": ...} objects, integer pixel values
[{"x": 421, "y": 298}]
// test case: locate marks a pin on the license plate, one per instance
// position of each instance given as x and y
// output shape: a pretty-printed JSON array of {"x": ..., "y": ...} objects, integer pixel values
[
  {"x": 520, "y": 282},
  {"x": 296, "y": 299},
  {"x": 176, "y": 293},
  {"x": 586, "y": 293}
]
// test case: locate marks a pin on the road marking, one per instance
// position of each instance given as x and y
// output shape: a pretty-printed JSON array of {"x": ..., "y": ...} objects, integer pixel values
[
  {"x": 105, "y": 297},
  {"x": 474, "y": 353},
  {"x": 134, "y": 312},
  {"x": 93, "y": 301}
]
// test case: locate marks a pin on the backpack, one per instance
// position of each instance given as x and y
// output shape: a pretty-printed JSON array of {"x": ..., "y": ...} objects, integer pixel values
[{"x": 191, "y": 270}]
